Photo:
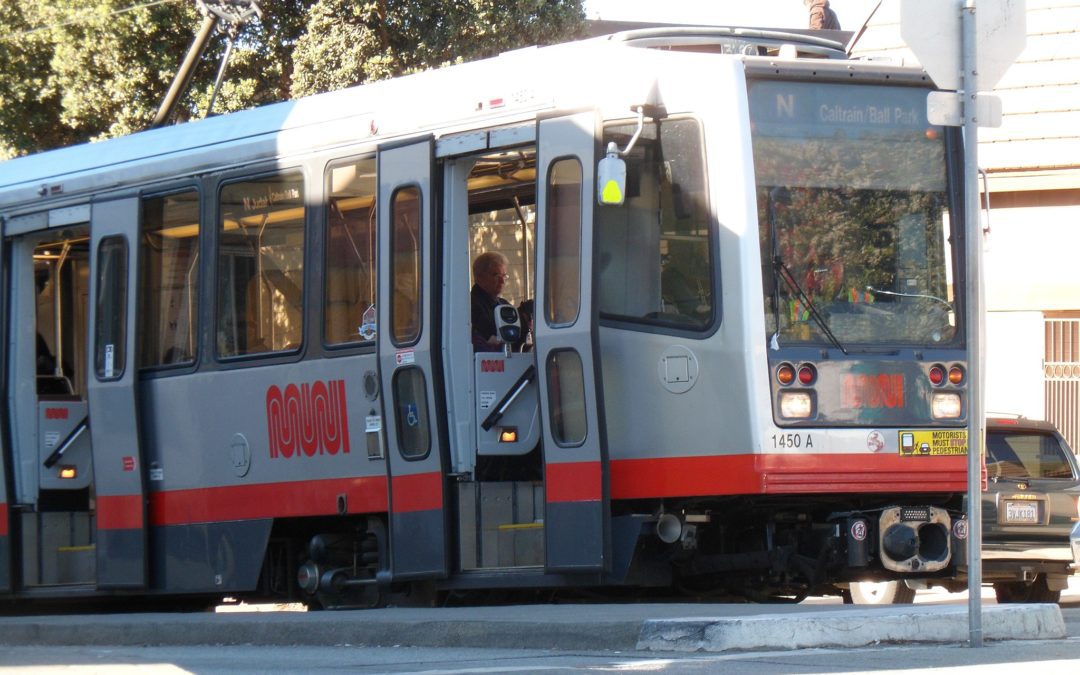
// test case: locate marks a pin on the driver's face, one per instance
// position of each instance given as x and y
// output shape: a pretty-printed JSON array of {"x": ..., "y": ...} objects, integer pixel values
[{"x": 493, "y": 280}]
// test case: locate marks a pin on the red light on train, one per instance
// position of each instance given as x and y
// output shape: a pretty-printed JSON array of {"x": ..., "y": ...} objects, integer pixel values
[
  {"x": 807, "y": 375},
  {"x": 785, "y": 374},
  {"x": 937, "y": 376},
  {"x": 956, "y": 375}
]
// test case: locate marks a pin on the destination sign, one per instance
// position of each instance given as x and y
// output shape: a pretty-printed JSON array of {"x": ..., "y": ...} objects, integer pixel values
[{"x": 813, "y": 109}]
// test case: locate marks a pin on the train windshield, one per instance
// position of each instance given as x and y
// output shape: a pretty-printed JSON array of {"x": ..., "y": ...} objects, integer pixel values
[{"x": 853, "y": 211}]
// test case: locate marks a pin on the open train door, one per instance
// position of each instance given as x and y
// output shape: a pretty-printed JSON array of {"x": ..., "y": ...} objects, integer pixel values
[
  {"x": 577, "y": 513},
  {"x": 408, "y": 370},
  {"x": 119, "y": 486}
]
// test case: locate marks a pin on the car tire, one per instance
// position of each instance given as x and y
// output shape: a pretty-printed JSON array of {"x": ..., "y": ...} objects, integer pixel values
[
  {"x": 1009, "y": 592},
  {"x": 881, "y": 593}
]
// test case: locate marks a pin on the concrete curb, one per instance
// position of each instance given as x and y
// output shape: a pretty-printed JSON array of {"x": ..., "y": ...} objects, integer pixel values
[
  {"x": 321, "y": 629},
  {"x": 854, "y": 628}
]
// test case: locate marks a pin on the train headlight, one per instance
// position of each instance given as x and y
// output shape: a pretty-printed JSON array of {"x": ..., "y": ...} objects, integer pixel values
[
  {"x": 796, "y": 404},
  {"x": 945, "y": 405}
]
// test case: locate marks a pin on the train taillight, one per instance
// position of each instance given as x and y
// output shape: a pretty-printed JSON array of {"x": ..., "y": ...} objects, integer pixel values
[
  {"x": 937, "y": 375},
  {"x": 807, "y": 375}
]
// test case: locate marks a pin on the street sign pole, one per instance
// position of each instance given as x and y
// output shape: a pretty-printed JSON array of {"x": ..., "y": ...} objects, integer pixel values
[
  {"x": 989, "y": 42},
  {"x": 974, "y": 318}
]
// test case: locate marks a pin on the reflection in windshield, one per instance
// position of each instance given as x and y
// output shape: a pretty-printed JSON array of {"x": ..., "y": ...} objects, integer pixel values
[{"x": 852, "y": 202}]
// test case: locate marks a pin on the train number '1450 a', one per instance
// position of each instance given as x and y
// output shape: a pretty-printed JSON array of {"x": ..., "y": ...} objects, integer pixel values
[{"x": 792, "y": 440}]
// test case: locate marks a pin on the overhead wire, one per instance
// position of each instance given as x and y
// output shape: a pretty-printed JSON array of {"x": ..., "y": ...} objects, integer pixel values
[{"x": 83, "y": 16}]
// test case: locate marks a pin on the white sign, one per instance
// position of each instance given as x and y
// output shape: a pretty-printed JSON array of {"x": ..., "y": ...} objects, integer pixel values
[{"x": 931, "y": 28}]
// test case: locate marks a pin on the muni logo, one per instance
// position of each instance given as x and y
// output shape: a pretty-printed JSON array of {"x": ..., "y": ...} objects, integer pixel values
[{"x": 307, "y": 419}]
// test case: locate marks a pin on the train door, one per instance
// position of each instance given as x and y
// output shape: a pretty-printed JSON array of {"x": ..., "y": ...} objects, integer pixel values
[
  {"x": 407, "y": 361},
  {"x": 5, "y": 546},
  {"x": 577, "y": 513},
  {"x": 51, "y": 508},
  {"x": 118, "y": 467}
]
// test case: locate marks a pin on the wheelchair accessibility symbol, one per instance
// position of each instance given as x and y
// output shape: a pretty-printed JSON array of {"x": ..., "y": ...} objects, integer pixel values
[{"x": 411, "y": 417}]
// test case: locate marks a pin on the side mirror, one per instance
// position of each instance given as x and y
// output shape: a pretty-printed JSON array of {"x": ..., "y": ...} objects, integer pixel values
[
  {"x": 611, "y": 178},
  {"x": 508, "y": 324}
]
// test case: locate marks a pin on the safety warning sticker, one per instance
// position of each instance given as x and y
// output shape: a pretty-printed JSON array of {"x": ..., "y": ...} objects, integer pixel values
[{"x": 934, "y": 442}]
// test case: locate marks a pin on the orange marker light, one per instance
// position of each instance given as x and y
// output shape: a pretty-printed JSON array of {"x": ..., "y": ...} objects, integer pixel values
[
  {"x": 785, "y": 374},
  {"x": 67, "y": 472}
]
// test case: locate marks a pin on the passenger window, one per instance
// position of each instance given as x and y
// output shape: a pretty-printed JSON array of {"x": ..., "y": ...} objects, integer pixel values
[
  {"x": 169, "y": 279},
  {"x": 110, "y": 331},
  {"x": 656, "y": 249},
  {"x": 410, "y": 401},
  {"x": 405, "y": 215},
  {"x": 350, "y": 268},
  {"x": 261, "y": 266},
  {"x": 563, "y": 257}
]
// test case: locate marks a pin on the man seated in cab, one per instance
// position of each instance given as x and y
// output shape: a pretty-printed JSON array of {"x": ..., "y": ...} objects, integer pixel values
[{"x": 489, "y": 276}]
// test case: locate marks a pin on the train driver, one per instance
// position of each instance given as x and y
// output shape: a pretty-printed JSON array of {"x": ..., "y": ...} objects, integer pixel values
[{"x": 489, "y": 276}]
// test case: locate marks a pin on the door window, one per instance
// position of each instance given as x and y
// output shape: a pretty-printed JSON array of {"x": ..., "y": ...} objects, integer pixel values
[
  {"x": 566, "y": 391},
  {"x": 405, "y": 217},
  {"x": 563, "y": 258},
  {"x": 410, "y": 401},
  {"x": 111, "y": 309}
]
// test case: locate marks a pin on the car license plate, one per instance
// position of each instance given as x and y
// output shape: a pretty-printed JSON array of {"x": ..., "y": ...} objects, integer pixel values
[{"x": 1021, "y": 512}]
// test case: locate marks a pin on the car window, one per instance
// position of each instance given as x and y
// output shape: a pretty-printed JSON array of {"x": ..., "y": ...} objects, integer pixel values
[{"x": 1025, "y": 455}]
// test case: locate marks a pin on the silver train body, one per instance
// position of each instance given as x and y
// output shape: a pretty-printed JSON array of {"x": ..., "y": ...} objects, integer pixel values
[{"x": 238, "y": 359}]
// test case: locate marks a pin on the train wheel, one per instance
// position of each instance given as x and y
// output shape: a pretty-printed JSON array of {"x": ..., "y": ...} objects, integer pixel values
[{"x": 881, "y": 593}]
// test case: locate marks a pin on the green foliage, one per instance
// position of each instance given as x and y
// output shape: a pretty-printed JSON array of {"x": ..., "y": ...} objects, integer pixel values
[{"x": 82, "y": 70}]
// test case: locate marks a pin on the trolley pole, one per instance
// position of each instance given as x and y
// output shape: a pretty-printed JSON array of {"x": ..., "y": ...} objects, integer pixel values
[{"x": 975, "y": 322}]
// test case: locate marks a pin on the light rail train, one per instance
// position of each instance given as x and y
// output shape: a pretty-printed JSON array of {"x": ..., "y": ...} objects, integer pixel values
[{"x": 237, "y": 356}]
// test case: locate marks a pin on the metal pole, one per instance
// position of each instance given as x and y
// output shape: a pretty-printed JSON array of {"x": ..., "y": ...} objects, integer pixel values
[
  {"x": 973, "y": 321},
  {"x": 187, "y": 69}
]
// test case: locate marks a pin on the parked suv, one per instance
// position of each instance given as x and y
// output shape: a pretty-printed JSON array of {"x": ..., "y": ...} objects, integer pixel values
[{"x": 1029, "y": 511}]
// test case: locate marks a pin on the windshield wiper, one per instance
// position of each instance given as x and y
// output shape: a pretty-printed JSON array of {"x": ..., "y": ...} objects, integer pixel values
[
  {"x": 781, "y": 270},
  {"x": 780, "y": 195},
  {"x": 878, "y": 291}
]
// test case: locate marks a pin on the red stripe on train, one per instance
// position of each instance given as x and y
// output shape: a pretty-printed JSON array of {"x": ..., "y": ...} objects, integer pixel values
[
  {"x": 785, "y": 474},
  {"x": 3, "y": 520},
  {"x": 267, "y": 500},
  {"x": 573, "y": 482},
  {"x": 418, "y": 492},
  {"x": 119, "y": 512}
]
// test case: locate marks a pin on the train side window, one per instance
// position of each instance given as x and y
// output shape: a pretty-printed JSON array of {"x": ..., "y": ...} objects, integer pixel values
[
  {"x": 563, "y": 258},
  {"x": 261, "y": 266},
  {"x": 350, "y": 263},
  {"x": 169, "y": 279},
  {"x": 657, "y": 247},
  {"x": 110, "y": 330},
  {"x": 405, "y": 216},
  {"x": 410, "y": 401}
]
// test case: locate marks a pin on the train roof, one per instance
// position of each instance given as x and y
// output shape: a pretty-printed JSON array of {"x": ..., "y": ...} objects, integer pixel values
[{"x": 511, "y": 88}]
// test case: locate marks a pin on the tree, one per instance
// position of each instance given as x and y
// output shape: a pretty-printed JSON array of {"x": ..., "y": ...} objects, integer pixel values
[
  {"x": 83, "y": 70},
  {"x": 349, "y": 42}
]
